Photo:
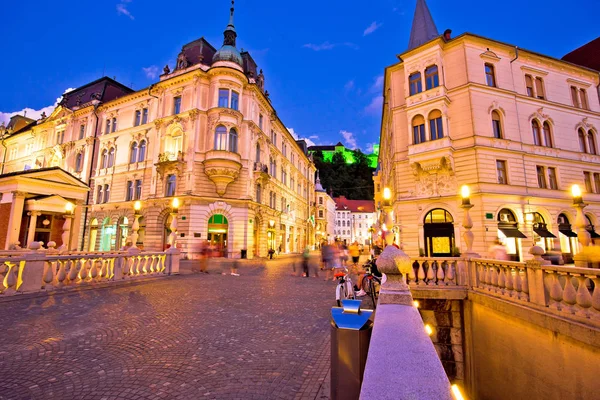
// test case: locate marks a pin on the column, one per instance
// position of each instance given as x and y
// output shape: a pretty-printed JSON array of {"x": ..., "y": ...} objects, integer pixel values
[
  {"x": 76, "y": 226},
  {"x": 32, "y": 223},
  {"x": 14, "y": 222}
]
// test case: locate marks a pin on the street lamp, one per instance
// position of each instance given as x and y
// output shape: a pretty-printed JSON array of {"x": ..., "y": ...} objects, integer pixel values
[
  {"x": 387, "y": 196},
  {"x": 173, "y": 227},
  {"x": 468, "y": 236},
  {"x": 66, "y": 234},
  {"x": 582, "y": 233},
  {"x": 137, "y": 206}
]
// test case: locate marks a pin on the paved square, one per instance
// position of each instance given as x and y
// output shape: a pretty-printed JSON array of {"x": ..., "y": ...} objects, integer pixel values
[{"x": 263, "y": 335}]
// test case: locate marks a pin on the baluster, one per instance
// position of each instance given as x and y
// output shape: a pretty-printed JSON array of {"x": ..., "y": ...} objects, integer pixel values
[
  {"x": 480, "y": 275},
  {"x": 102, "y": 269},
  {"x": 493, "y": 278},
  {"x": 146, "y": 269},
  {"x": 83, "y": 271},
  {"x": 3, "y": 269},
  {"x": 524, "y": 284},
  {"x": 160, "y": 262},
  {"x": 136, "y": 265},
  {"x": 74, "y": 271},
  {"x": 556, "y": 291},
  {"x": 430, "y": 273},
  {"x": 449, "y": 280},
  {"x": 502, "y": 280},
  {"x": 518, "y": 284},
  {"x": 569, "y": 294},
  {"x": 488, "y": 276},
  {"x": 584, "y": 298},
  {"x": 440, "y": 273},
  {"x": 10, "y": 279},
  {"x": 596, "y": 295},
  {"x": 156, "y": 262},
  {"x": 510, "y": 286},
  {"x": 61, "y": 275},
  {"x": 93, "y": 273},
  {"x": 49, "y": 275},
  {"x": 421, "y": 273},
  {"x": 412, "y": 276},
  {"x": 126, "y": 262}
]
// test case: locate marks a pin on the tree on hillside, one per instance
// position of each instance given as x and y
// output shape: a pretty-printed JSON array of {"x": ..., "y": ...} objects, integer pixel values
[{"x": 354, "y": 181}]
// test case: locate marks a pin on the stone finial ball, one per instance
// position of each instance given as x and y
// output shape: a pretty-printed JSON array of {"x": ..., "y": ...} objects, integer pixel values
[
  {"x": 51, "y": 244},
  {"x": 536, "y": 251},
  {"x": 34, "y": 246}
]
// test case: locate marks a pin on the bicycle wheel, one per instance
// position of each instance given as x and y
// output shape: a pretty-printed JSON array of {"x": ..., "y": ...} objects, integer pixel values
[{"x": 340, "y": 293}]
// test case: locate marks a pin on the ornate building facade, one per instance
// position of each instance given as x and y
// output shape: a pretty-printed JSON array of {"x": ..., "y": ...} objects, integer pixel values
[
  {"x": 206, "y": 133},
  {"x": 354, "y": 220},
  {"x": 519, "y": 128},
  {"x": 324, "y": 214}
]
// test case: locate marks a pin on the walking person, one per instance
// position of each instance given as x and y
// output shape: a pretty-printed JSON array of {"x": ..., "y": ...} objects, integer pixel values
[
  {"x": 327, "y": 255},
  {"x": 305, "y": 261},
  {"x": 497, "y": 251}
]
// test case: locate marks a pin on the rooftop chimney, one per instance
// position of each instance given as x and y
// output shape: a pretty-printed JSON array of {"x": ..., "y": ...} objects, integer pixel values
[{"x": 448, "y": 34}]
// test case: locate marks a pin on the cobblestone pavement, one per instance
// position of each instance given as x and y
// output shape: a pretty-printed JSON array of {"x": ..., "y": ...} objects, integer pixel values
[{"x": 263, "y": 335}]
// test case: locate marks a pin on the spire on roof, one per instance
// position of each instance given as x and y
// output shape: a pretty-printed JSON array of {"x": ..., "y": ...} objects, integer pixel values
[
  {"x": 423, "y": 28},
  {"x": 318, "y": 186},
  {"x": 228, "y": 52}
]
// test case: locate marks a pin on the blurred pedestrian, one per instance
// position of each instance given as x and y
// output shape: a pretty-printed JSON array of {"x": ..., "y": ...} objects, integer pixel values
[{"x": 497, "y": 251}]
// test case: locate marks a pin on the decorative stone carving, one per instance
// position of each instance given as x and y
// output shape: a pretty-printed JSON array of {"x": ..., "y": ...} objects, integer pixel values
[
  {"x": 222, "y": 168},
  {"x": 158, "y": 123},
  {"x": 194, "y": 114},
  {"x": 434, "y": 177}
]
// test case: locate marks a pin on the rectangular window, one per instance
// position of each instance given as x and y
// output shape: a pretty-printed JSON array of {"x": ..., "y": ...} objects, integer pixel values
[
  {"x": 414, "y": 82},
  {"x": 114, "y": 125},
  {"x": 418, "y": 134},
  {"x": 320, "y": 213},
  {"x": 81, "y": 131},
  {"x": 597, "y": 182},
  {"x": 107, "y": 130},
  {"x": 106, "y": 193},
  {"x": 490, "y": 77},
  {"x": 235, "y": 100},
  {"x": 320, "y": 201},
  {"x": 587, "y": 177},
  {"x": 176, "y": 105},
  {"x": 584, "y": 102},
  {"x": 129, "y": 193},
  {"x": 501, "y": 171},
  {"x": 435, "y": 127},
  {"x": 539, "y": 88},
  {"x": 138, "y": 118},
  {"x": 60, "y": 137},
  {"x": 541, "y": 176},
  {"x": 138, "y": 189},
  {"x": 529, "y": 85},
  {"x": 144, "y": 116},
  {"x": 260, "y": 121},
  {"x": 552, "y": 181},
  {"x": 224, "y": 98},
  {"x": 99, "y": 194},
  {"x": 431, "y": 77},
  {"x": 171, "y": 185},
  {"x": 575, "y": 97}
]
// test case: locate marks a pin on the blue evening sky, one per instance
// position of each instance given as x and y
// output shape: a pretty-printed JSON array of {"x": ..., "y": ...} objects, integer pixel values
[{"x": 323, "y": 60}]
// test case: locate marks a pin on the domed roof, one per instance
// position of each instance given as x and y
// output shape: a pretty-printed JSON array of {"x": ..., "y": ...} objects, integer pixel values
[{"x": 228, "y": 53}]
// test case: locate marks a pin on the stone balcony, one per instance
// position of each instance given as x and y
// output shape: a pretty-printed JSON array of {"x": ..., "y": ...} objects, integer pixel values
[
  {"x": 222, "y": 167},
  {"x": 261, "y": 172}
]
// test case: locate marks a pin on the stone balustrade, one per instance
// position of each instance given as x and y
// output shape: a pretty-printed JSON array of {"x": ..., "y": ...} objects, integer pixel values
[
  {"x": 33, "y": 271},
  {"x": 435, "y": 271}
]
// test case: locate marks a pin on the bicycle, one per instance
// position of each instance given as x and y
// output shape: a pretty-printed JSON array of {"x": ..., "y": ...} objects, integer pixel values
[
  {"x": 370, "y": 282},
  {"x": 344, "y": 289}
]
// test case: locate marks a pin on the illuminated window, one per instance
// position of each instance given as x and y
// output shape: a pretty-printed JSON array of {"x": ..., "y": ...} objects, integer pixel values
[
  {"x": 414, "y": 81},
  {"x": 418, "y": 125},
  {"x": 431, "y": 77},
  {"x": 435, "y": 125},
  {"x": 496, "y": 125},
  {"x": 490, "y": 77}
]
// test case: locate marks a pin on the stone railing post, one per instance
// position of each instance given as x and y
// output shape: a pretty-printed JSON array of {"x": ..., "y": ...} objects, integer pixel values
[
  {"x": 396, "y": 265},
  {"x": 118, "y": 267},
  {"x": 172, "y": 261},
  {"x": 535, "y": 277},
  {"x": 33, "y": 270}
]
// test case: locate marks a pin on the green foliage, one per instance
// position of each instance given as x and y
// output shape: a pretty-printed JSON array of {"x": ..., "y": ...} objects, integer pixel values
[{"x": 355, "y": 181}]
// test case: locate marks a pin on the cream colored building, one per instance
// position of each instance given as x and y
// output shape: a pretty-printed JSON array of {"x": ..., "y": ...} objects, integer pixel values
[
  {"x": 520, "y": 128},
  {"x": 354, "y": 219},
  {"x": 205, "y": 133},
  {"x": 324, "y": 214}
]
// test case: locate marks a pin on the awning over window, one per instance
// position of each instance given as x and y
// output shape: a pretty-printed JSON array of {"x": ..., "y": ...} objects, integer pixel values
[
  {"x": 568, "y": 232},
  {"x": 593, "y": 234},
  {"x": 543, "y": 232},
  {"x": 512, "y": 232}
]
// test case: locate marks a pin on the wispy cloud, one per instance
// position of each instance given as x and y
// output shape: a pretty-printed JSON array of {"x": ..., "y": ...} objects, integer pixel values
[
  {"x": 349, "y": 85},
  {"x": 31, "y": 113},
  {"x": 377, "y": 84},
  {"x": 369, "y": 148},
  {"x": 372, "y": 28},
  {"x": 151, "y": 71},
  {"x": 349, "y": 139},
  {"x": 328, "y": 46},
  {"x": 122, "y": 9},
  {"x": 297, "y": 136},
  {"x": 374, "y": 107},
  {"x": 314, "y": 137}
]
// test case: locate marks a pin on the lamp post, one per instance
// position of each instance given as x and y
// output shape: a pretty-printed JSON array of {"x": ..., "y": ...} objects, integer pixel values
[
  {"x": 467, "y": 222},
  {"x": 583, "y": 235},
  {"x": 173, "y": 227},
  {"x": 66, "y": 234},
  {"x": 137, "y": 206}
]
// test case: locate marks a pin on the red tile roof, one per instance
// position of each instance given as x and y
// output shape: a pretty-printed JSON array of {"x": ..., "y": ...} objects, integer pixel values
[{"x": 366, "y": 206}]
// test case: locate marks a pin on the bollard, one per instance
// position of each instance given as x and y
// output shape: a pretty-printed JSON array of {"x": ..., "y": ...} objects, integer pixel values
[{"x": 350, "y": 335}]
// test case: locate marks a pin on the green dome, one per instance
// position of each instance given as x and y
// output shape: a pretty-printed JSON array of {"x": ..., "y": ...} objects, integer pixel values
[{"x": 228, "y": 53}]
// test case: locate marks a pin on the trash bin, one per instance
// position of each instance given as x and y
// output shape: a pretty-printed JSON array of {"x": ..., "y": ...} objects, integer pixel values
[
  {"x": 244, "y": 254},
  {"x": 350, "y": 336}
]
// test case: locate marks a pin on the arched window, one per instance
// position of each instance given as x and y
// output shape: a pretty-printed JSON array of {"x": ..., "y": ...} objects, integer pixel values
[
  {"x": 111, "y": 158},
  {"x": 257, "y": 152},
  {"x": 418, "y": 125},
  {"x": 592, "y": 142},
  {"x": 496, "y": 125},
  {"x": 221, "y": 138},
  {"x": 438, "y": 216},
  {"x": 133, "y": 155},
  {"x": 435, "y": 125},
  {"x": 233, "y": 140},
  {"x": 171, "y": 185},
  {"x": 142, "y": 151},
  {"x": 537, "y": 134},
  {"x": 431, "y": 77},
  {"x": 582, "y": 144},
  {"x": 529, "y": 85},
  {"x": 414, "y": 81},
  {"x": 547, "y": 135},
  {"x": 103, "y": 158},
  {"x": 78, "y": 162}
]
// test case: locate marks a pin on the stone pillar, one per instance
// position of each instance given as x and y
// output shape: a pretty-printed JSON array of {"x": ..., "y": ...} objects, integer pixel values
[
  {"x": 394, "y": 262},
  {"x": 76, "y": 225},
  {"x": 33, "y": 271},
  {"x": 14, "y": 221},
  {"x": 172, "y": 261},
  {"x": 535, "y": 277},
  {"x": 66, "y": 234},
  {"x": 32, "y": 223}
]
